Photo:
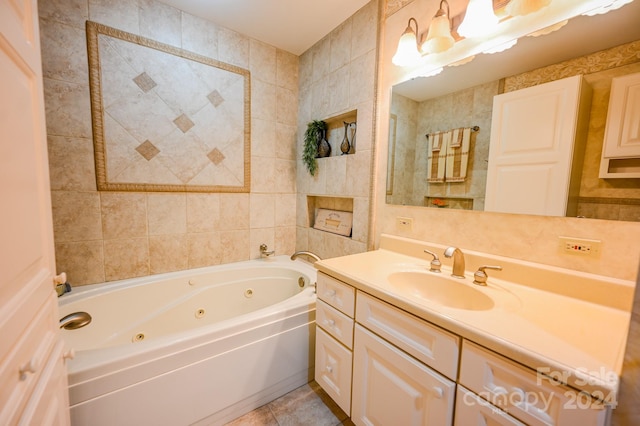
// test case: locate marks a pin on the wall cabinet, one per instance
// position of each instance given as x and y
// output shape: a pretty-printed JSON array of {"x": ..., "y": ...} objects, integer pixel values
[
  {"x": 621, "y": 148},
  {"x": 536, "y": 152},
  {"x": 384, "y": 366}
]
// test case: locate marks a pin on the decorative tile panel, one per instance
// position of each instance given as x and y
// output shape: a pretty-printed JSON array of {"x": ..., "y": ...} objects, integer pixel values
[
  {"x": 147, "y": 150},
  {"x": 144, "y": 82},
  {"x": 216, "y": 156},
  {"x": 166, "y": 119},
  {"x": 215, "y": 98},
  {"x": 183, "y": 123}
]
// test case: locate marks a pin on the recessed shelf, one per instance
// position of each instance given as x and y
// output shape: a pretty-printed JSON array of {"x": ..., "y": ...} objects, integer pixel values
[
  {"x": 459, "y": 203},
  {"x": 335, "y": 132},
  {"x": 316, "y": 202}
]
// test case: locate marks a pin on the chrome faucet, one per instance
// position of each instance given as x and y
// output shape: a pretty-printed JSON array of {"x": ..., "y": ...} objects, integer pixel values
[
  {"x": 458, "y": 261},
  {"x": 295, "y": 255},
  {"x": 435, "y": 262},
  {"x": 264, "y": 252}
]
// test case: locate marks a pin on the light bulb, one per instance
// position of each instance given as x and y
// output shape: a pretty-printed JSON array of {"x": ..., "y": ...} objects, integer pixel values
[
  {"x": 479, "y": 19},
  {"x": 407, "y": 52}
]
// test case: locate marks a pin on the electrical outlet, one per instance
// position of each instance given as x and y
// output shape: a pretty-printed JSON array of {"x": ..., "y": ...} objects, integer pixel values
[
  {"x": 580, "y": 246},
  {"x": 404, "y": 223}
]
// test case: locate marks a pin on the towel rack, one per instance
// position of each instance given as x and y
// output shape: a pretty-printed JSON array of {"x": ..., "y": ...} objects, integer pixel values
[{"x": 474, "y": 128}]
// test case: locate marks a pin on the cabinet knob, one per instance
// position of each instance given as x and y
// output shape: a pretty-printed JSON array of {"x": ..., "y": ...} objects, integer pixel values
[
  {"x": 70, "y": 354},
  {"x": 438, "y": 391},
  {"x": 28, "y": 368},
  {"x": 498, "y": 390},
  {"x": 331, "y": 323},
  {"x": 329, "y": 369}
]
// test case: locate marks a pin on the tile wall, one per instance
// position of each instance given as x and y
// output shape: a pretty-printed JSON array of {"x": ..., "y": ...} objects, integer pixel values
[
  {"x": 105, "y": 236},
  {"x": 337, "y": 75}
]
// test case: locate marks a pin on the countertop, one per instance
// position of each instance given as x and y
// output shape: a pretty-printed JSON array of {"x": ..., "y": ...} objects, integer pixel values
[{"x": 582, "y": 340}]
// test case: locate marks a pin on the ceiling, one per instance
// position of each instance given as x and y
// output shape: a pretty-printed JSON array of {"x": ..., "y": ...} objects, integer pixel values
[{"x": 291, "y": 25}]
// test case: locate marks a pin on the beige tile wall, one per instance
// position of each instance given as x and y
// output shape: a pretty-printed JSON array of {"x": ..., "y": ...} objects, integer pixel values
[
  {"x": 104, "y": 236},
  {"x": 337, "y": 75}
]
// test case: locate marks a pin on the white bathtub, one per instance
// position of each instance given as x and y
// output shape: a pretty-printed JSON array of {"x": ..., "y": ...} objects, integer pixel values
[{"x": 192, "y": 347}]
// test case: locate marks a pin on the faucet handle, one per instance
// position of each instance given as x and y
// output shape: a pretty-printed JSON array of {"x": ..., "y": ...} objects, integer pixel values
[
  {"x": 480, "y": 276},
  {"x": 435, "y": 262}
]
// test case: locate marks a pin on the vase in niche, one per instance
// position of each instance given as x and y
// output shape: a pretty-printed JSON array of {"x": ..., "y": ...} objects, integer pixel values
[
  {"x": 352, "y": 139},
  {"x": 345, "y": 146},
  {"x": 324, "y": 149}
]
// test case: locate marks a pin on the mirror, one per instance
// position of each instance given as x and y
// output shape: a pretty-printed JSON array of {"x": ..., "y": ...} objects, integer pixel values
[{"x": 462, "y": 96}]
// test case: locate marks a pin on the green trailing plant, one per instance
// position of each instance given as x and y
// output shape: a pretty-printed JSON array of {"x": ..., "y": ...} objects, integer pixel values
[{"x": 311, "y": 137}]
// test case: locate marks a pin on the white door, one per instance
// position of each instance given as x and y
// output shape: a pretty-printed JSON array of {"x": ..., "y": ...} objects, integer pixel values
[
  {"x": 531, "y": 154},
  {"x": 30, "y": 349},
  {"x": 392, "y": 388}
]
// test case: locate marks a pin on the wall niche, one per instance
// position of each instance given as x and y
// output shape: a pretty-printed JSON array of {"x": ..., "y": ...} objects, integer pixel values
[{"x": 338, "y": 127}]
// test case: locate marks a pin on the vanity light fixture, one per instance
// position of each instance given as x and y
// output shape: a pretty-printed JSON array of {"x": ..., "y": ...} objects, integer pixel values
[
  {"x": 479, "y": 19},
  {"x": 407, "y": 52},
  {"x": 502, "y": 47},
  {"x": 439, "y": 36},
  {"x": 525, "y": 7},
  {"x": 615, "y": 4}
]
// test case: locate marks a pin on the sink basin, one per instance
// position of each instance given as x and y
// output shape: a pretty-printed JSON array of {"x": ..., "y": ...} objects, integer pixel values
[{"x": 442, "y": 290}]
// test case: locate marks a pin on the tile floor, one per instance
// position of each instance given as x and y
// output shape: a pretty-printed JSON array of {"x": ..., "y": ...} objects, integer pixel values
[{"x": 307, "y": 405}]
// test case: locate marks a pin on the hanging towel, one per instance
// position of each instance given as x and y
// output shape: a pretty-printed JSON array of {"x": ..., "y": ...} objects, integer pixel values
[
  {"x": 458, "y": 154},
  {"x": 437, "y": 156}
]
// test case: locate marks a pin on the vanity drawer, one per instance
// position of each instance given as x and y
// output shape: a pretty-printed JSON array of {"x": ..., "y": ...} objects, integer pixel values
[
  {"x": 335, "y": 323},
  {"x": 472, "y": 410},
  {"x": 435, "y": 347},
  {"x": 333, "y": 369},
  {"x": 525, "y": 395},
  {"x": 336, "y": 293}
]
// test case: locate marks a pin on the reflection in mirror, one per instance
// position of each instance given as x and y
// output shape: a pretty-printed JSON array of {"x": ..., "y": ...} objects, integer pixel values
[{"x": 599, "y": 48}]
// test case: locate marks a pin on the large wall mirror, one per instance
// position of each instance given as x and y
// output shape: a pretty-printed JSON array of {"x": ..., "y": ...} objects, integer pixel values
[{"x": 599, "y": 48}]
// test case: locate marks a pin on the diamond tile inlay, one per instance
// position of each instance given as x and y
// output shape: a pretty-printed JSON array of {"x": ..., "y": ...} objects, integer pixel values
[
  {"x": 144, "y": 82},
  {"x": 216, "y": 156},
  {"x": 215, "y": 98},
  {"x": 147, "y": 150},
  {"x": 184, "y": 123}
]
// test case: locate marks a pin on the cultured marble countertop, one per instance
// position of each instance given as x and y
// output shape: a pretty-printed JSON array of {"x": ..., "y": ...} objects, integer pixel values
[{"x": 580, "y": 339}]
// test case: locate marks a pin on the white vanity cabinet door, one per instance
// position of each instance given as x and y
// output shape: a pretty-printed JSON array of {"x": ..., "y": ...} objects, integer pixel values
[
  {"x": 335, "y": 323},
  {"x": 432, "y": 345},
  {"x": 537, "y": 148},
  {"x": 333, "y": 369},
  {"x": 336, "y": 293},
  {"x": 525, "y": 395},
  {"x": 474, "y": 411},
  {"x": 392, "y": 388}
]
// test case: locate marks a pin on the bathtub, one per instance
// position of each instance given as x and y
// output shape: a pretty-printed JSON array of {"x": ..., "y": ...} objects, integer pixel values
[{"x": 202, "y": 346}]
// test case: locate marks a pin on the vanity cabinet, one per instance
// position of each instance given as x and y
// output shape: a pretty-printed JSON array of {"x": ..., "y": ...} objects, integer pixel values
[
  {"x": 385, "y": 366},
  {"x": 335, "y": 310},
  {"x": 391, "y": 367},
  {"x": 538, "y": 135},
  {"x": 528, "y": 396}
]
